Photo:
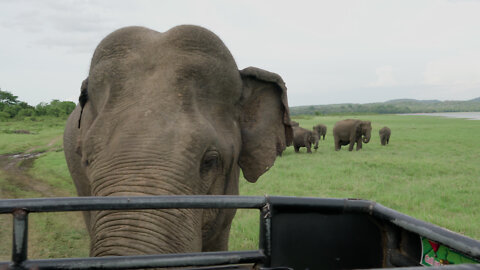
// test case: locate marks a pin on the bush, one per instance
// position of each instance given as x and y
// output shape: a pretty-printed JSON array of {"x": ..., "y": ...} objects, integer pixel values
[
  {"x": 25, "y": 112},
  {"x": 4, "y": 115},
  {"x": 30, "y": 118}
]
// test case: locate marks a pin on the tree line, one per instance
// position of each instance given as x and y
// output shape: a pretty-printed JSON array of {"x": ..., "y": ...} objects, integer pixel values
[
  {"x": 12, "y": 108},
  {"x": 390, "y": 107}
]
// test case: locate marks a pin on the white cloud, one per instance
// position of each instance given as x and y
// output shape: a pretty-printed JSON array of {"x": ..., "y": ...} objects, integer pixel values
[
  {"x": 459, "y": 71},
  {"x": 324, "y": 50},
  {"x": 385, "y": 77}
]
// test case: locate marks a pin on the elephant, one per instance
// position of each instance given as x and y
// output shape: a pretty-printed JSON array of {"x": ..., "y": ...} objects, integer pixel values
[
  {"x": 351, "y": 131},
  {"x": 294, "y": 123},
  {"x": 303, "y": 138},
  {"x": 384, "y": 133},
  {"x": 320, "y": 130},
  {"x": 169, "y": 113}
]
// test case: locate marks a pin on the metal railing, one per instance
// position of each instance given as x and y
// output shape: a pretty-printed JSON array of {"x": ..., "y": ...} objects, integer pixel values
[
  {"x": 276, "y": 213},
  {"x": 20, "y": 208}
]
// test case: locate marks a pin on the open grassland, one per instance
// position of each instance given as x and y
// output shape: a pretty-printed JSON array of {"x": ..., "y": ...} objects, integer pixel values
[
  {"x": 44, "y": 133},
  {"x": 429, "y": 171},
  {"x": 51, "y": 235}
]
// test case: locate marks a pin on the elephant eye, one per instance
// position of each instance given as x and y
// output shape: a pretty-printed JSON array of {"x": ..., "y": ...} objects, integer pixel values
[{"x": 210, "y": 162}]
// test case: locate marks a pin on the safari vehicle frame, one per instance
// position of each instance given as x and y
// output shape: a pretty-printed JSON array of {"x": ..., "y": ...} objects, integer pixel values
[{"x": 295, "y": 233}]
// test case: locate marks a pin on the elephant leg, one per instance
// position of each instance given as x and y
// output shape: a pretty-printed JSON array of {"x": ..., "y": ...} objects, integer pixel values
[
  {"x": 324, "y": 137},
  {"x": 337, "y": 143},
  {"x": 297, "y": 148},
  {"x": 316, "y": 145},
  {"x": 307, "y": 142},
  {"x": 359, "y": 144},
  {"x": 350, "y": 147}
]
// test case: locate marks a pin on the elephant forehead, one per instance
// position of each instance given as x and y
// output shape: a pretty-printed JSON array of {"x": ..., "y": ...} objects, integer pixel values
[
  {"x": 202, "y": 63},
  {"x": 186, "y": 60},
  {"x": 197, "y": 39},
  {"x": 186, "y": 38}
]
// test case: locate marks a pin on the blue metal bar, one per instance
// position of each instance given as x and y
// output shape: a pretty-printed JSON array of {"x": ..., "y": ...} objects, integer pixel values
[
  {"x": 149, "y": 261},
  {"x": 265, "y": 241},
  {"x": 454, "y": 240},
  {"x": 269, "y": 207},
  {"x": 20, "y": 237},
  {"x": 129, "y": 203},
  {"x": 443, "y": 267}
]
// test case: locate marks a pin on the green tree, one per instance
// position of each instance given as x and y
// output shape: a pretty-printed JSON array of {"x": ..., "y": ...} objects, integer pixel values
[
  {"x": 25, "y": 112},
  {"x": 40, "y": 109},
  {"x": 8, "y": 98}
]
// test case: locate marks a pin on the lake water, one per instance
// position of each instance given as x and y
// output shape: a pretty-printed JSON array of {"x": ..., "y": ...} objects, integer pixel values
[{"x": 464, "y": 115}]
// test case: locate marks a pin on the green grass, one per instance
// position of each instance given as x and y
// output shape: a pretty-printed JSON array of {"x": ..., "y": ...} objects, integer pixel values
[
  {"x": 52, "y": 169},
  {"x": 429, "y": 171},
  {"x": 51, "y": 235},
  {"x": 42, "y": 132}
]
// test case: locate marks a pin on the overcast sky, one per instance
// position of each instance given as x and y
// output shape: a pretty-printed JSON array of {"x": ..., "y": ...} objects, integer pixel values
[{"x": 327, "y": 52}]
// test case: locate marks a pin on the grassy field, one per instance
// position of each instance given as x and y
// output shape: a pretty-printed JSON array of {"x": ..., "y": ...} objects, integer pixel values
[{"x": 429, "y": 171}]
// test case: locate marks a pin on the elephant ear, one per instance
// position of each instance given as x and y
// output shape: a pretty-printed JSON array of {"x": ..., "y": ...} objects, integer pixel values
[
  {"x": 358, "y": 128},
  {"x": 83, "y": 98},
  {"x": 265, "y": 121},
  {"x": 365, "y": 125}
]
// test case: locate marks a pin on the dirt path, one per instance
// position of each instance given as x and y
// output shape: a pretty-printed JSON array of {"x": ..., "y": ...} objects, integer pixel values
[
  {"x": 52, "y": 142},
  {"x": 51, "y": 235},
  {"x": 14, "y": 168}
]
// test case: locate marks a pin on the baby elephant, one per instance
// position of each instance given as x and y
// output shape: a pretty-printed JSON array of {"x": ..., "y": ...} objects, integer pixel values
[
  {"x": 321, "y": 130},
  {"x": 385, "y": 133},
  {"x": 303, "y": 138}
]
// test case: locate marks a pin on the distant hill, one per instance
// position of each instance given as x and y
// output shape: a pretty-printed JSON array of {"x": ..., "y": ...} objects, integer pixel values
[
  {"x": 391, "y": 106},
  {"x": 412, "y": 100},
  {"x": 475, "y": 99}
]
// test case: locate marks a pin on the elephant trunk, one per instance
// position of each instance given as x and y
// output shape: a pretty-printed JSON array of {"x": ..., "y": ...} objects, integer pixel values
[
  {"x": 119, "y": 233},
  {"x": 135, "y": 232},
  {"x": 366, "y": 138}
]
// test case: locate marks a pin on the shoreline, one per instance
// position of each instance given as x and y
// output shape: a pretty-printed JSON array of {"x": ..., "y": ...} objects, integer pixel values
[{"x": 460, "y": 115}]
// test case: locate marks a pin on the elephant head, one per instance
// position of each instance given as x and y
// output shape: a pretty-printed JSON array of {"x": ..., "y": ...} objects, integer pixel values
[
  {"x": 366, "y": 130},
  {"x": 170, "y": 114}
]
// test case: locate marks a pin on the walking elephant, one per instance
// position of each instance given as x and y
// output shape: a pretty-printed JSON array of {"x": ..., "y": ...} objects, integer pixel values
[
  {"x": 351, "y": 131},
  {"x": 384, "y": 133},
  {"x": 170, "y": 114},
  {"x": 319, "y": 130},
  {"x": 303, "y": 138}
]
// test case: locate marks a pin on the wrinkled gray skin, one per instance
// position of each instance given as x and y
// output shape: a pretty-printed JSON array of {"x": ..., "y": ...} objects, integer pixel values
[
  {"x": 320, "y": 130},
  {"x": 384, "y": 133},
  {"x": 351, "y": 131},
  {"x": 170, "y": 114},
  {"x": 303, "y": 138}
]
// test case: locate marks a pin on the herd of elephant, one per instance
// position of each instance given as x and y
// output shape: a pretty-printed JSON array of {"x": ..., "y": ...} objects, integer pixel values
[
  {"x": 171, "y": 114},
  {"x": 345, "y": 132}
]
